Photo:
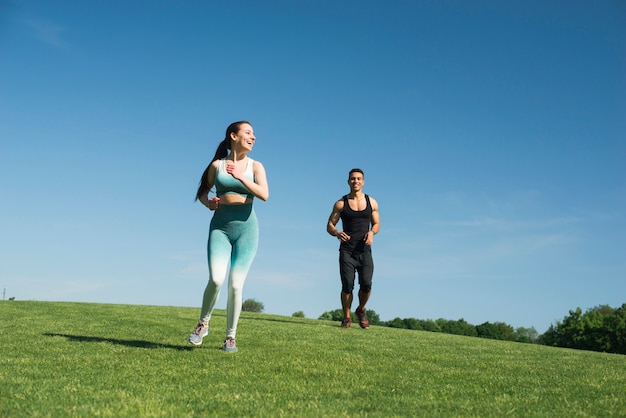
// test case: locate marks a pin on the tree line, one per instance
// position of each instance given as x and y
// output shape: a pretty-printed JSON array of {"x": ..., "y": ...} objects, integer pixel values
[
  {"x": 495, "y": 331},
  {"x": 601, "y": 328}
]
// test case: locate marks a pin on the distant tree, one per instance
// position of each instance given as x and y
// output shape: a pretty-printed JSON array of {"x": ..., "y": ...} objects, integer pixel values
[
  {"x": 298, "y": 314},
  {"x": 429, "y": 325},
  {"x": 396, "y": 323},
  {"x": 496, "y": 331},
  {"x": 336, "y": 315},
  {"x": 571, "y": 330},
  {"x": 525, "y": 335},
  {"x": 442, "y": 323},
  {"x": 407, "y": 323},
  {"x": 459, "y": 327},
  {"x": 507, "y": 331},
  {"x": 617, "y": 324},
  {"x": 252, "y": 305},
  {"x": 412, "y": 323},
  {"x": 489, "y": 330},
  {"x": 598, "y": 329},
  {"x": 550, "y": 337},
  {"x": 597, "y": 334}
]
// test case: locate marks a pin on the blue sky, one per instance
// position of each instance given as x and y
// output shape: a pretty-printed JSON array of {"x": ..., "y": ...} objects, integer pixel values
[{"x": 491, "y": 134}]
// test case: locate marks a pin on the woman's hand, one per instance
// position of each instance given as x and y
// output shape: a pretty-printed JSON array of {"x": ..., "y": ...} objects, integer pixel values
[
  {"x": 231, "y": 168},
  {"x": 214, "y": 203}
]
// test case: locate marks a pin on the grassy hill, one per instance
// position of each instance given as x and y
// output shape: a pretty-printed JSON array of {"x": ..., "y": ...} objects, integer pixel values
[{"x": 70, "y": 359}]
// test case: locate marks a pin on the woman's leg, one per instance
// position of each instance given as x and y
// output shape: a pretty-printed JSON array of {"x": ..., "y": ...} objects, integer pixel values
[
  {"x": 219, "y": 251},
  {"x": 244, "y": 251}
]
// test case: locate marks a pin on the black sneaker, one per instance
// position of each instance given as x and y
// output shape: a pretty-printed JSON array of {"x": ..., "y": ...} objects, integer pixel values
[
  {"x": 345, "y": 323},
  {"x": 363, "y": 322}
]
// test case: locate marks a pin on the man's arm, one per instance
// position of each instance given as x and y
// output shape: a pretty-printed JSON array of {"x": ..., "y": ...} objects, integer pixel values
[
  {"x": 331, "y": 226},
  {"x": 375, "y": 221}
]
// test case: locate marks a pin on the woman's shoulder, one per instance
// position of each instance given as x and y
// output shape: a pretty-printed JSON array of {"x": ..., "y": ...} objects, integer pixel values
[{"x": 256, "y": 164}]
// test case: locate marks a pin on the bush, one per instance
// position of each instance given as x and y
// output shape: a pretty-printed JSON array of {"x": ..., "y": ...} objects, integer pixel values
[
  {"x": 337, "y": 315},
  {"x": 252, "y": 305},
  {"x": 602, "y": 328}
]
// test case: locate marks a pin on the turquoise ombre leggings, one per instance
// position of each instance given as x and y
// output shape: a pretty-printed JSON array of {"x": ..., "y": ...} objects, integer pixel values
[{"x": 232, "y": 245}]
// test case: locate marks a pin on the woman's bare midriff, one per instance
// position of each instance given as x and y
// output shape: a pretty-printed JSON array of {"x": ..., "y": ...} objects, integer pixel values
[{"x": 230, "y": 199}]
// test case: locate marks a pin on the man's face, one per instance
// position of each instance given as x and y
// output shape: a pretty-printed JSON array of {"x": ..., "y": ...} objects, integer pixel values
[{"x": 355, "y": 181}]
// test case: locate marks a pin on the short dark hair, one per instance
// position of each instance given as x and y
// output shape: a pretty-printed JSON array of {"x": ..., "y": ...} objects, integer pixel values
[{"x": 356, "y": 170}]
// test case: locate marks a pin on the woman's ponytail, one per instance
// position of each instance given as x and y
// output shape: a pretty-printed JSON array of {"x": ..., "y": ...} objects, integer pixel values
[{"x": 221, "y": 152}]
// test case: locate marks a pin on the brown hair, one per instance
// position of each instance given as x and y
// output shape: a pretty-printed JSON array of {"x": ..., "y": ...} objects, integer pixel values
[{"x": 221, "y": 152}]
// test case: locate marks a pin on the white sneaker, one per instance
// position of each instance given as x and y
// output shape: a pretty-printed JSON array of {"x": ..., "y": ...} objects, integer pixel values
[
  {"x": 201, "y": 331},
  {"x": 229, "y": 345}
]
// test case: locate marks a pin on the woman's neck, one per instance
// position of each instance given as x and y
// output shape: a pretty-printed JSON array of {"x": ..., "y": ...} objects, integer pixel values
[{"x": 237, "y": 156}]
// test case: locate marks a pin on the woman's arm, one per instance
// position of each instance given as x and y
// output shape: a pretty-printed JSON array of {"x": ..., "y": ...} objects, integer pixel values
[
  {"x": 204, "y": 198},
  {"x": 258, "y": 187}
]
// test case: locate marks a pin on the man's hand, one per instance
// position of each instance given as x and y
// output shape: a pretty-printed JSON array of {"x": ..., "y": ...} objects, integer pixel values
[
  {"x": 342, "y": 236},
  {"x": 369, "y": 238}
]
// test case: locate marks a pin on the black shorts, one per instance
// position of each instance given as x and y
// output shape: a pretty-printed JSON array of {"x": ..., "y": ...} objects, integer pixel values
[{"x": 351, "y": 263}]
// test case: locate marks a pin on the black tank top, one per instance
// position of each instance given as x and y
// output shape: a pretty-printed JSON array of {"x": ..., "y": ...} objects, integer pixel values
[{"x": 356, "y": 224}]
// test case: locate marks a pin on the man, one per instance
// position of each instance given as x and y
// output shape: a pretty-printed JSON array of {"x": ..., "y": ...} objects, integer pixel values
[{"x": 360, "y": 221}]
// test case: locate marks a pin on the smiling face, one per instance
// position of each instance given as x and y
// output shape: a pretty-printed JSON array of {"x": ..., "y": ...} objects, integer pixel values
[
  {"x": 355, "y": 180},
  {"x": 244, "y": 138}
]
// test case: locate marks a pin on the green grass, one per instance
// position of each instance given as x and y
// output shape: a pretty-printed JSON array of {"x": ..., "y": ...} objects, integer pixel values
[{"x": 80, "y": 359}]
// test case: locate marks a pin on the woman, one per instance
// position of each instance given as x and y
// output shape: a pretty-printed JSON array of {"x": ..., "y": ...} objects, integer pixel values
[{"x": 234, "y": 231}]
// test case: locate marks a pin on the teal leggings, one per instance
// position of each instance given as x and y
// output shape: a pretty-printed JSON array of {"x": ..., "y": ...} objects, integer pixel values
[{"x": 232, "y": 245}]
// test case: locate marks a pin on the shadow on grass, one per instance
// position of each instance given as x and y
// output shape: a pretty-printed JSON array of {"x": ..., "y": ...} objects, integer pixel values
[
  {"x": 295, "y": 321},
  {"x": 127, "y": 343}
]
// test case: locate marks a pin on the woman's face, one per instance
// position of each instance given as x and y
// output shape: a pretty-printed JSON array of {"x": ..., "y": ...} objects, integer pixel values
[{"x": 245, "y": 137}]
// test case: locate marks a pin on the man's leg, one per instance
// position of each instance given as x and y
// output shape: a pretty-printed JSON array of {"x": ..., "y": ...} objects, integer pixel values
[
  {"x": 363, "y": 298},
  {"x": 347, "y": 272},
  {"x": 366, "y": 271},
  {"x": 346, "y": 303}
]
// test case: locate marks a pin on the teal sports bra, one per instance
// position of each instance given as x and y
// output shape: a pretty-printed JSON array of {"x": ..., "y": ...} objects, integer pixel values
[{"x": 227, "y": 184}]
